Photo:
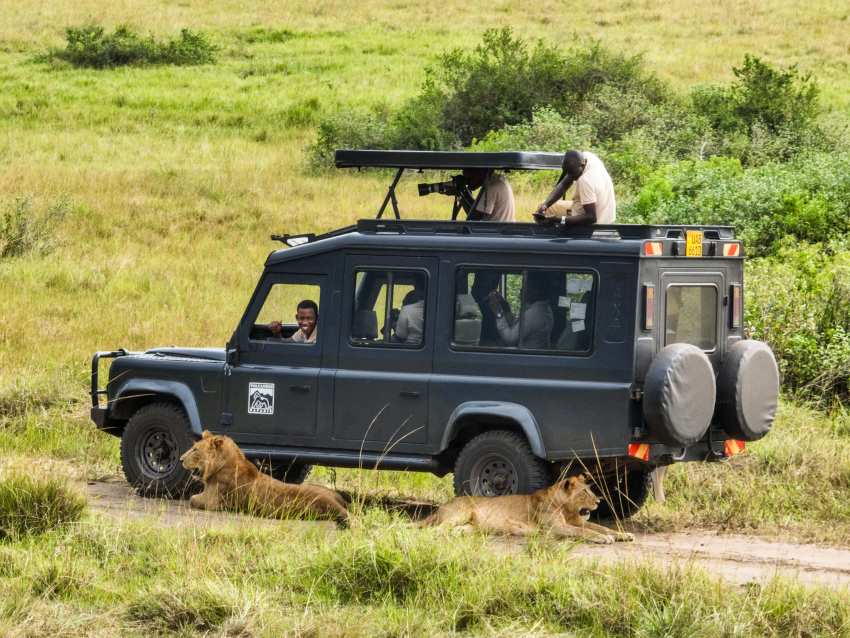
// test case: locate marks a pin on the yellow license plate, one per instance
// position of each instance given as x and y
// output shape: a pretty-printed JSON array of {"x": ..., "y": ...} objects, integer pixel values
[{"x": 693, "y": 243}]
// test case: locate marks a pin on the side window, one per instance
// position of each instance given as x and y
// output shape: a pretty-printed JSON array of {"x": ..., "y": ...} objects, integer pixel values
[
  {"x": 389, "y": 308},
  {"x": 290, "y": 314},
  {"x": 545, "y": 310}
]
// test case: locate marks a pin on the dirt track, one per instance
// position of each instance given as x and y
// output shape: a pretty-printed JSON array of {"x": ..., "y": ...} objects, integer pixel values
[{"x": 740, "y": 559}]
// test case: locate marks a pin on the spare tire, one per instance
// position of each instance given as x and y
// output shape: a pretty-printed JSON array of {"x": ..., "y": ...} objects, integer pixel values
[
  {"x": 679, "y": 395},
  {"x": 748, "y": 390}
]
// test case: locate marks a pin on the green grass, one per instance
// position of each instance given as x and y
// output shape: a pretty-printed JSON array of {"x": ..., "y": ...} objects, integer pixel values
[
  {"x": 29, "y": 506},
  {"x": 384, "y": 578}
]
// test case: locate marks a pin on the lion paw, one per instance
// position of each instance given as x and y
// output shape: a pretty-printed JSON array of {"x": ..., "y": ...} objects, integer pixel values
[{"x": 602, "y": 539}]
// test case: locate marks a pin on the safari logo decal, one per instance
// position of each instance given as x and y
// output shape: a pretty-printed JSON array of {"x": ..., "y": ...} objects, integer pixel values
[{"x": 260, "y": 398}]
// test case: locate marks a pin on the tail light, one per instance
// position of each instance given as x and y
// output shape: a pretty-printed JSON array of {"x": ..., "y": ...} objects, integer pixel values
[
  {"x": 639, "y": 451},
  {"x": 648, "y": 306},
  {"x": 653, "y": 249},
  {"x": 737, "y": 305},
  {"x": 733, "y": 447}
]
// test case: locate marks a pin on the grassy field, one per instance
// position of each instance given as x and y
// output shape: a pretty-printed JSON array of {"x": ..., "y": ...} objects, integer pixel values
[{"x": 167, "y": 182}]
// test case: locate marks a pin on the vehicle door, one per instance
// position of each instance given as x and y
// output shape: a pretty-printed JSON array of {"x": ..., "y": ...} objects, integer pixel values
[
  {"x": 385, "y": 352},
  {"x": 272, "y": 389},
  {"x": 692, "y": 310}
]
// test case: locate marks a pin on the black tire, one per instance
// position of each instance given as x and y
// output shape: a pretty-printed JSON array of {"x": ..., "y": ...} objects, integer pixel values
[
  {"x": 288, "y": 472},
  {"x": 155, "y": 438},
  {"x": 499, "y": 462},
  {"x": 623, "y": 492},
  {"x": 679, "y": 395},
  {"x": 748, "y": 390}
]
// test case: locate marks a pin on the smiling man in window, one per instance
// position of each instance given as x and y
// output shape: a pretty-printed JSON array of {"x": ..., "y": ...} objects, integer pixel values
[{"x": 306, "y": 316}]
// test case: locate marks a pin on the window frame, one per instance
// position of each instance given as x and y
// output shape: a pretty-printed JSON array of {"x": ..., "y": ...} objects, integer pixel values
[
  {"x": 717, "y": 306},
  {"x": 524, "y": 270},
  {"x": 247, "y": 344},
  {"x": 390, "y": 283}
]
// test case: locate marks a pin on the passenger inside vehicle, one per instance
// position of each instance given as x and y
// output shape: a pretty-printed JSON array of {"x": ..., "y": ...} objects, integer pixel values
[{"x": 533, "y": 328}]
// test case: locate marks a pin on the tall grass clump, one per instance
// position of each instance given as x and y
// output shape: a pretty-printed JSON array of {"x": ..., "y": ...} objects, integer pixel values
[
  {"x": 197, "y": 607},
  {"x": 91, "y": 46},
  {"x": 24, "y": 230},
  {"x": 29, "y": 506}
]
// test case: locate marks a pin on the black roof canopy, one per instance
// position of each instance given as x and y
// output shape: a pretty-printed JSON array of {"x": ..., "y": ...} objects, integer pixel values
[{"x": 508, "y": 160}]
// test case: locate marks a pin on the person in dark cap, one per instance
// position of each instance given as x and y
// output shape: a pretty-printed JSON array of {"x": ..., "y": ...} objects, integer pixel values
[{"x": 593, "y": 200}]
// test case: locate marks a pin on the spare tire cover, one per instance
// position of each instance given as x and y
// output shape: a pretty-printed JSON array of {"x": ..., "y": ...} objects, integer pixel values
[
  {"x": 679, "y": 395},
  {"x": 748, "y": 390}
]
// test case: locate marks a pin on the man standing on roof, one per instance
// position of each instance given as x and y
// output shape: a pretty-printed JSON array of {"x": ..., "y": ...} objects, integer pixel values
[
  {"x": 593, "y": 199},
  {"x": 495, "y": 202}
]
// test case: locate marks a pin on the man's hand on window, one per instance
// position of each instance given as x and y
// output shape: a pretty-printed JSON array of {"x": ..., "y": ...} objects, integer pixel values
[{"x": 276, "y": 328}]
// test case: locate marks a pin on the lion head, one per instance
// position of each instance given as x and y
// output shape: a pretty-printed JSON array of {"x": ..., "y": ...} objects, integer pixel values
[
  {"x": 210, "y": 454},
  {"x": 574, "y": 495}
]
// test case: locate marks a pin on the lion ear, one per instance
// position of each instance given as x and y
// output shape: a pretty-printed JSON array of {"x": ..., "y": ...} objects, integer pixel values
[
  {"x": 205, "y": 434},
  {"x": 217, "y": 441}
]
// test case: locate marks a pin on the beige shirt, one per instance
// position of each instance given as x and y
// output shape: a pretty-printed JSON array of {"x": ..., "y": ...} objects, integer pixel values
[
  {"x": 594, "y": 186},
  {"x": 497, "y": 200},
  {"x": 298, "y": 336},
  {"x": 411, "y": 322}
]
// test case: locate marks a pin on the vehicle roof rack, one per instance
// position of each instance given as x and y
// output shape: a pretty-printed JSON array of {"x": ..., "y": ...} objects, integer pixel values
[
  {"x": 445, "y": 160},
  {"x": 530, "y": 161},
  {"x": 595, "y": 231}
]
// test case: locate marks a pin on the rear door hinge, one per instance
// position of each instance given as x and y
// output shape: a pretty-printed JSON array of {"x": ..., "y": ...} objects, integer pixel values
[{"x": 636, "y": 394}]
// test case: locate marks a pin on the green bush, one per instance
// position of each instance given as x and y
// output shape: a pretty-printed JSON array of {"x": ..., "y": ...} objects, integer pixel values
[
  {"x": 90, "y": 46},
  {"x": 808, "y": 198},
  {"x": 29, "y": 507},
  {"x": 354, "y": 129},
  {"x": 799, "y": 302},
  {"x": 24, "y": 231}
]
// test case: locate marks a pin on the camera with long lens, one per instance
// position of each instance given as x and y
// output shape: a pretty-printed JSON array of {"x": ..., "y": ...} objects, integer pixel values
[{"x": 452, "y": 187}]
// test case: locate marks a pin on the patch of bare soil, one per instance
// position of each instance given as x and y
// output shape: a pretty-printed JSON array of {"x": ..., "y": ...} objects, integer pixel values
[{"x": 739, "y": 559}]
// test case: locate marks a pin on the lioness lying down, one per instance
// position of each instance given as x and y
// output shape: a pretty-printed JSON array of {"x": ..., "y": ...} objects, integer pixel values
[
  {"x": 232, "y": 482},
  {"x": 562, "y": 509}
]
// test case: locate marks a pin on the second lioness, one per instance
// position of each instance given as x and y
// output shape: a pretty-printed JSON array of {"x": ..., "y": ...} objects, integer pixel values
[
  {"x": 562, "y": 509},
  {"x": 231, "y": 481}
]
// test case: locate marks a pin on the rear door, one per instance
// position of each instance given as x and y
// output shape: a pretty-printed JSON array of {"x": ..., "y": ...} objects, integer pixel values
[
  {"x": 385, "y": 353},
  {"x": 692, "y": 310}
]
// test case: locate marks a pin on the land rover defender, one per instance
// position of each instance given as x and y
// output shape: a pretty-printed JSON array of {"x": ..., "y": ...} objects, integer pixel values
[{"x": 537, "y": 350}]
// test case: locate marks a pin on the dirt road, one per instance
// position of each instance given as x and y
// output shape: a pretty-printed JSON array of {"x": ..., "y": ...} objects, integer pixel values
[{"x": 739, "y": 559}]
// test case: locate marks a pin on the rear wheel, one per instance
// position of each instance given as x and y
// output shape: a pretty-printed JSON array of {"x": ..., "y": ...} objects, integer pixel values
[
  {"x": 499, "y": 462},
  {"x": 155, "y": 438},
  {"x": 288, "y": 472},
  {"x": 623, "y": 490}
]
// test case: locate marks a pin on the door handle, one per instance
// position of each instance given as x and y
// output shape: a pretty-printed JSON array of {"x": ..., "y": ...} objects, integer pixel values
[
  {"x": 299, "y": 388},
  {"x": 409, "y": 394}
]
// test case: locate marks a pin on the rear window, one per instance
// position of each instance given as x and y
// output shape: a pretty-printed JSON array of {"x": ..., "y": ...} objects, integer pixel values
[{"x": 691, "y": 315}]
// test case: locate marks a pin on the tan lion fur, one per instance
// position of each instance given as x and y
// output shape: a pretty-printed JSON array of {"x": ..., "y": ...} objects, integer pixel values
[
  {"x": 232, "y": 482},
  {"x": 562, "y": 510}
]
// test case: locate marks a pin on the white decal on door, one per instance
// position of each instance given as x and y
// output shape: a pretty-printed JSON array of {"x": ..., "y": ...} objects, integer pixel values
[{"x": 260, "y": 398}]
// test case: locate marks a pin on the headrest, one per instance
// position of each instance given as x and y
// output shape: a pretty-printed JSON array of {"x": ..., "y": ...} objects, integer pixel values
[
  {"x": 467, "y": 308},
  {"x": 365, "y": 325}
]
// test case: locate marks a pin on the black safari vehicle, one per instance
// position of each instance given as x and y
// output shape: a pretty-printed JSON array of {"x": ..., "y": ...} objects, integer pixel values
[{"x": 505, "y": 353}]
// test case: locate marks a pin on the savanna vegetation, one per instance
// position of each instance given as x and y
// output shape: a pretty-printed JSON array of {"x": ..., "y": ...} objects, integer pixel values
[{"x": 147, "y": 150}]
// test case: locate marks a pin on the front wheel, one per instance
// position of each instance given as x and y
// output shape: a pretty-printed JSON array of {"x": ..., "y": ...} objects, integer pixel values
[
  {"x": 497, "y": 463},
  {"x": 155, "y": 438}
]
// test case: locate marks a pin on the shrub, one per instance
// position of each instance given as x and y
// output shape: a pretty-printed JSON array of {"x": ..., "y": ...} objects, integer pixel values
[
  {"x": 24, "y": 231},
  {"x": 90, "y": 46},
  {"x": 356, "y": 129},
  {"x": 799, "y": 303},
  {"x": 29, "y": 507},
  {"x": 503, "y": 80},
  {"x": 808, "y": 198},
  {"x": 202, "y": 608}
]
